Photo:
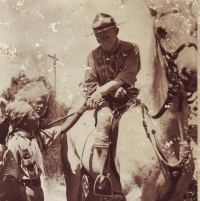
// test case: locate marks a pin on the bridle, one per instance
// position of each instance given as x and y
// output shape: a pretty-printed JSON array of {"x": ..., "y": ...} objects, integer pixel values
[
  {"x": 174, "y": 77},
  {"x": 172, "y": 73},
  {"x": 174, "y": 88}
]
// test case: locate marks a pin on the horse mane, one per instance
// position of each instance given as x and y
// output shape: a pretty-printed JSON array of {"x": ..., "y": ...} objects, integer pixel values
[{"x": 156, "y": 90}]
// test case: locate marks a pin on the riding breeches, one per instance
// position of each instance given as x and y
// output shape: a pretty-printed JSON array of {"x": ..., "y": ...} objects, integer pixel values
[
  {"x": 103, "y": 118},
  {"x": 103, "y": 128}
]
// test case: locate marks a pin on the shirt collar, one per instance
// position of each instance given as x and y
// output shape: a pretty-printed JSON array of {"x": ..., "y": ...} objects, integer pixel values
[
  {"x": 117, "y": 45},
  {"x": 24, "y": 133}
]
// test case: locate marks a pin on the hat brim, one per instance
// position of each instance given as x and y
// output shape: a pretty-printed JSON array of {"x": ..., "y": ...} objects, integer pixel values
[{"x": 99, "y": 31}]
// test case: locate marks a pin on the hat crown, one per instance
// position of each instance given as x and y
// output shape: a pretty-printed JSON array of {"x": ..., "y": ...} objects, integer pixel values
[{"x": 103, "y": 22}]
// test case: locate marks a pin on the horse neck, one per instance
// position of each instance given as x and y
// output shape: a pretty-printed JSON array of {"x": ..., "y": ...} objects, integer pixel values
[
  {"x": 157, "y": 84},
  {"x": 157, "y": 94}
]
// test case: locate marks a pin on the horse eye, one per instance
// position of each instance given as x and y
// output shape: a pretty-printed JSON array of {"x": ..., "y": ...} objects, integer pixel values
[
  {"x": 176, "y": 10},
  {"x": 161, "y": 32}
]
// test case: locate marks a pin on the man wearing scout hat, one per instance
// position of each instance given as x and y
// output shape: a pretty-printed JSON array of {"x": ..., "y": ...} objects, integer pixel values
[
  {"x": 111, "y": 72},
  {"x": 113, "y": 69}
]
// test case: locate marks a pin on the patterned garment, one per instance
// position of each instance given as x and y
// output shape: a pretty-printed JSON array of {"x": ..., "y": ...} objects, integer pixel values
[
  {"x": 23, "y": 158},
  {"x": 23, "y": 164}
]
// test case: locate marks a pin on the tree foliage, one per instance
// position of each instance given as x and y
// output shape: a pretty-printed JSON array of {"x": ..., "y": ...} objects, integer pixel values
[{"x": 55, "y": 109}]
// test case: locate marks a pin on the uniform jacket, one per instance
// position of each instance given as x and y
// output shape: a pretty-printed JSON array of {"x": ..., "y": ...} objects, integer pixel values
[{"x": 123, "y": 63}]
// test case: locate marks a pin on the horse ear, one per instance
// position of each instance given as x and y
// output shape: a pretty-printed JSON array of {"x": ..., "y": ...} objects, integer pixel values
[
  {"x": 152, "y": 7},
  {"x": 156, "y": 6},
  {"x": 124, "y": 1}
]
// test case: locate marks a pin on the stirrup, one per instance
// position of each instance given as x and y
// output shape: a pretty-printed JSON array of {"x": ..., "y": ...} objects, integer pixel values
[{"x": 107, "y": 191}]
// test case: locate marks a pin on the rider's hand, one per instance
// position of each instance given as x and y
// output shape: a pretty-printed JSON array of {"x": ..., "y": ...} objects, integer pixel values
[
  {"x": 94, "y": 99},
  {"x": 120, "y": 93}
]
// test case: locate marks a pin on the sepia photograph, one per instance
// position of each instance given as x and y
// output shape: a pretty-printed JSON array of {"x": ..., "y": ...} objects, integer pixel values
[{"x": 99, "y": 100}]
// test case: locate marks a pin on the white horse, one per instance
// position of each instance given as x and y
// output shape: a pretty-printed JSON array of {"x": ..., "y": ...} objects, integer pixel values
[{"x": 153, "y": 157}]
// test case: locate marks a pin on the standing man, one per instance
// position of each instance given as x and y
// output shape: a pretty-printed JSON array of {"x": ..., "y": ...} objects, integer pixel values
[
  {"x": 20, "y": 177},
  {"x": 111, "y": 70}
]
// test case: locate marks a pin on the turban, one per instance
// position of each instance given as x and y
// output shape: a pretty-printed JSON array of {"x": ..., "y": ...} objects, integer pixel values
[
  {"x": 32, "y": 91},
  {"x": 16, "y": 111}
]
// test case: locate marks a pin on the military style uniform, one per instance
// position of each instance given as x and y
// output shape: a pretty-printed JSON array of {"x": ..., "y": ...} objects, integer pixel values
[{"x": 122, "y": 63}]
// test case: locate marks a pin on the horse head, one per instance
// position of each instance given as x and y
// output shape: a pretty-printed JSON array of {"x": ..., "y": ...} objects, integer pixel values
[{"x": 175, "y": 29}]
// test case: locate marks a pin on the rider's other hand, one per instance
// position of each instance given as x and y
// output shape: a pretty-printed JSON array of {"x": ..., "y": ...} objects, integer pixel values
[
  {"x": 90, "y": 104},
  {"x": 120, "y": 93},
  {"x": 93, "y": 101}
]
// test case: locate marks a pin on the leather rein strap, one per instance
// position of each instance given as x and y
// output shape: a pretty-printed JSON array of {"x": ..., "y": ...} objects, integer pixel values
[
  {"x": 173, "y": 76},
  {"x": 155, "y": 145}
]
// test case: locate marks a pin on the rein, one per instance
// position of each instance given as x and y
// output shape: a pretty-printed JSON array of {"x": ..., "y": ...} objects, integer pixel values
[
  {"x": 173, "y": 76},
  {"x": 184, "y": 153}
]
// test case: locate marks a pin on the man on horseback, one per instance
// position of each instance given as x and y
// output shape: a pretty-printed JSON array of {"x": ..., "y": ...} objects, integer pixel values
[{"x": 111, "y": 72}]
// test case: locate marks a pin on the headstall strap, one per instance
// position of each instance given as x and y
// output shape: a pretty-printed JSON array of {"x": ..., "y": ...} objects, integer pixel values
[
  {"x": 144, "y": 121},
  {"x": 173, "y": 76},
  {"x": 191, "y": 101},
  {"x": 172, "y": 91}
]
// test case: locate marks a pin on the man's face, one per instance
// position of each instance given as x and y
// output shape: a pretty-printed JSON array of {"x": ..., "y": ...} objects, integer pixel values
[
  {"x": 32, "y": 121},
  {"x": 39, "y": 105},
  {"x": 107, "y": 39}
]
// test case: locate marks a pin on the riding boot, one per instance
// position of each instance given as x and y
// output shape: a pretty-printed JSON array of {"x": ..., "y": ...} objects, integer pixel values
[
  {"x": 103, "y": 183},
  {"x": 101, "y": 145}
]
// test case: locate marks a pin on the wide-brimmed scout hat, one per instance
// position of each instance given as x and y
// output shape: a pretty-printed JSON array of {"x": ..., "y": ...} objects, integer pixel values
[{"x": 103, "y": 22}]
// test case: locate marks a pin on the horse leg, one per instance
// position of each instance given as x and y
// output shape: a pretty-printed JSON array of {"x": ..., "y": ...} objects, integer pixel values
[
  {"x": 131, "y": 194},
  {"x": 72, "y": 170}
]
